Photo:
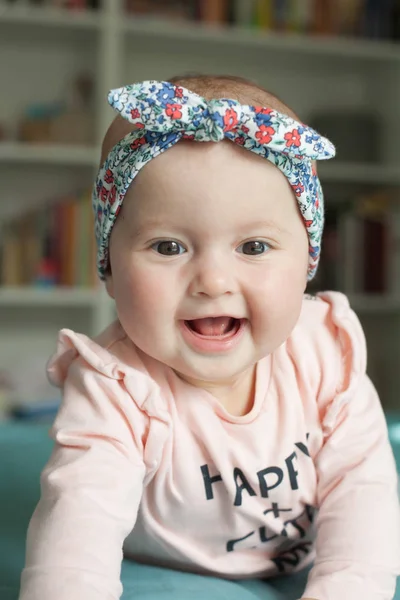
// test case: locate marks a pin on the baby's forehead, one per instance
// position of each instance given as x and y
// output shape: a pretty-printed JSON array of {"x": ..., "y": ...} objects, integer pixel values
[
  {"x": 195, "y": 163},
  {"x": 191, "y": 173}
]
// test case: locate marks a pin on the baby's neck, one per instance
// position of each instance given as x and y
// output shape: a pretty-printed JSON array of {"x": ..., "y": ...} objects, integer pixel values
[{"x": 237, "y": 397}]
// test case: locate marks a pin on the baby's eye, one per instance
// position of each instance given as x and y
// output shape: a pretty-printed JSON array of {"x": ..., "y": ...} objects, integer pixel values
[
  {"x": 168, "y": 248},
  {"x": 253, "y": 248}
]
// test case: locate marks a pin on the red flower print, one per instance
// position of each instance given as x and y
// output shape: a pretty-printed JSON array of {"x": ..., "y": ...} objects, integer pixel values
[
  {"x": 316, "y": 203},
  {"x": 178, "y": 92},
  {"x": 292, "y": 138},
  {"x": 117, "y": 210},
  {"x": 298, "y": 188},
  {"x": 139, "y": 125},
  {"x": 188, "y": 136},
  {"x": 239, "y": 140},
  {"x": 230, "y": 119},
  {"x": 174, "y": 111},
  {"x": 109, "y": 176},
  {"x": 135, "y": 114},
  {"x": 245, "y": 129},
  {"x": 104, "y": 194},
  {"x": 113, "y": 194},
  {"x": 137, "y": 143},
  {"x": 262, "y": 110},
  {"x": 308, "y": 223},
  {"x": 264, "y": 134}
]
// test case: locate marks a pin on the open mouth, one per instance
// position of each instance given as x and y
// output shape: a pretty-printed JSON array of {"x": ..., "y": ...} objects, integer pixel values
[
  {"x": 214, "y": 327},
  {"x": 213, "y": 334}
]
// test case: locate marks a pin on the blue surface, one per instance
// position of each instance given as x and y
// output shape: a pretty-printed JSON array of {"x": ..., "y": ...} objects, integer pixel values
[{"x": 24, "y": 449}]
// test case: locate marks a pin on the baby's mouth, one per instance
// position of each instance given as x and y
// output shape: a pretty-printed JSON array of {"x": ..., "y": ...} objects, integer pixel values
[{"x": 214, "y": 327}]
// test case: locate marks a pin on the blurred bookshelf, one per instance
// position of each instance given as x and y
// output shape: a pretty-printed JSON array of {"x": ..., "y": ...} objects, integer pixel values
[
  {"x": 358, "y": 173},
  {"x": 378, "y": 304},
  {"x": 48, "y": 154},
  {"x": 47, "y": 297},
  {"x": 22, "y": 14},
  {"x": 315, "y": 47},
  {"x": 64, "y": 56}
]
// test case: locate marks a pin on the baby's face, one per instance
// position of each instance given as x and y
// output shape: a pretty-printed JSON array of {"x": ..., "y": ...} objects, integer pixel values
[{"x": 209, "y": 260}]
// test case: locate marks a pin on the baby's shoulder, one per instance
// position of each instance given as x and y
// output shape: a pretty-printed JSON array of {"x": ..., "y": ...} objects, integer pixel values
[
  {"x": 111, "y": 364},
  {"x": 111, "y": 354},
  {"x": 327, "y": 319},
  {"x": 328, "y": 341},
  {"x": 104, "y": 381}
]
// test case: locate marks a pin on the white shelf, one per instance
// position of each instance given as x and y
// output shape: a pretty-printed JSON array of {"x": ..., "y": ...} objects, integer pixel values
[
  {"x": 339, "y": 172},
  {"x": 52, "y": 297},
  {"x": 48, "y": 154},
  {"x": 153, "y": 27},
  {"x": 294, "y": 44},
  {"x": 375, "y": 304},
  {"x": 49, "y": 17}
]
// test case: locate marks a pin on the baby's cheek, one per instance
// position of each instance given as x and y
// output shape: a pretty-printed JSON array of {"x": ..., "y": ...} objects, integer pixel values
[
  {"x": 145, "y": 295},
  {"x": 276, "y": 302},
  {"x": 277, "y": 280},
  {"x": 152, "y": 292}
]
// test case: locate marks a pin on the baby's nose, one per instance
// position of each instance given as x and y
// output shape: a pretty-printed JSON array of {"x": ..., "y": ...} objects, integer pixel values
[{"x": 212, "y": 279}]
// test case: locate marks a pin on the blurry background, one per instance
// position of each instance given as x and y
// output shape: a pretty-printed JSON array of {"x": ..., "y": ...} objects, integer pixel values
[{"x": 336, "y": 62}]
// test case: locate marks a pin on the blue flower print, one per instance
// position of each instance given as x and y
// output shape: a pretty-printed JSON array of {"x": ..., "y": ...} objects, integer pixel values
[
  {"x": 166, "y": 94},
  {"x": 263, "y": 118}
]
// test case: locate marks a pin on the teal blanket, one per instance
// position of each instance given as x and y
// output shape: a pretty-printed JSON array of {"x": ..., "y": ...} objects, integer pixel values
[{"x": 24, "y": 449}]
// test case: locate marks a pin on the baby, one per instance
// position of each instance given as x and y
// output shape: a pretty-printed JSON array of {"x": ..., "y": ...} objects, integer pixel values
[{"x": 224, "y": 424}]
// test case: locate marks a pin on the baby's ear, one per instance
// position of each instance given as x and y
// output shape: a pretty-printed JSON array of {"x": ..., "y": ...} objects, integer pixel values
[{"x": 109, "y": 284}]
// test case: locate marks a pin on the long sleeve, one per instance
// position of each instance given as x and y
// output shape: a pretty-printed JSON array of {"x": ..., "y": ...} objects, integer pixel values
[
  {"x": 358, "y": 525},
  {"x": 90, "y": 492}
]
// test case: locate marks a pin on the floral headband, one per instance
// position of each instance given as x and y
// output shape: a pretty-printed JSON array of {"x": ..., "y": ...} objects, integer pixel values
[{"x": 163, "y": 114}]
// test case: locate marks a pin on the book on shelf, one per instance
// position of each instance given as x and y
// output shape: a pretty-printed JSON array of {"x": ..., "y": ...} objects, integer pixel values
[
  {"x": 76, "y": 5},
  {"x": 264, "y": 14},
  {"x": 323, "y": 17},
  {"x": 368, "y": 18},
  {"x": 171, "y": 9},
  {"x": 243, "y": 12},
  {"x": 213, "y": 11},
  {"x": 394, "y": 251},
  {"x": 300, "y": 16},
  {"x": 377, "y": 18},
  {"x": 361, "y": 247},
  {"x": 349, "y": 17},
  {"x": 51, "y": 246}
]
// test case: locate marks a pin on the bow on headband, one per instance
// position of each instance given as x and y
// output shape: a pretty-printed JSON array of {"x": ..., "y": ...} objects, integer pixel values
[{"x": 164, "y": 113}]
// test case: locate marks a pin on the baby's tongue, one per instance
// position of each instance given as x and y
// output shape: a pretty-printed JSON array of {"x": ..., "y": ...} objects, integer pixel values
[{"x": 212, "y": 325}]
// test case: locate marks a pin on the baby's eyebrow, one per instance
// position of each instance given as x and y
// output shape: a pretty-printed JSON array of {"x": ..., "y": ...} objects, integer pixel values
[
  {"x": 145, "y": 228},
  {"x": 265, "y": 224},
  {"x": 244, "y": 229}
]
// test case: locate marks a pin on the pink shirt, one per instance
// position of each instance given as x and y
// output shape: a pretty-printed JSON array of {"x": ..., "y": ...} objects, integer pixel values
[{"x": 145, "y": 459}]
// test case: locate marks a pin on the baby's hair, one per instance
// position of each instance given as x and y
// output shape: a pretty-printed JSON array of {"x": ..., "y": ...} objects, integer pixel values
[{"x": 235, "y": 88}]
